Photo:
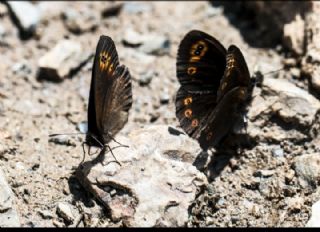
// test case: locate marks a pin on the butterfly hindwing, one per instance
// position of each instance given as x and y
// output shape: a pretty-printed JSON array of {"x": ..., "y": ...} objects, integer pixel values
[
  {"x": 222, "y": 118},
  {"x": 118, "y": 103},
  {"x": 236, "y": 72},
  {"x": 110, "y": 93},
  {"x": 192, "y": 109}
]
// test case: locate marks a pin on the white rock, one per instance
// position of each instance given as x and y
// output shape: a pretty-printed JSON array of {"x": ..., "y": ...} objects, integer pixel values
[
  {"x": 132, "y": 37},
  {"x": 65, "y": 212},
  {"x": 156, "y": 45},
  {"x": 61, "y": 60},
  {"x": 314, "y": 221},
  {"x": 264, "y": 173},
  {"x": 46, "y": 214},
  {"x": 294, "y": 35},
  {"x": 8, "y": 214},
  {"x": 315, "y": 77},
  {"x": 27, "y": 15},
  {"x": 80, "y": 21},
  {"x": 139, "y": 57},
  {"x": 308, "y": 167},
  {"x": 292, "y": 103},
  {"x": 148, "y": 43},
  {"x": 156, "y": 183},
  {"x": 136, "y": 7}
]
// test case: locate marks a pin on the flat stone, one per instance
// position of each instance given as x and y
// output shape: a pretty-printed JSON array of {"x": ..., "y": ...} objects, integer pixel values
[
  {"x": 8, "y": 214},
  {"x": 80, "y": 21},
  {"x": 264, "y": 173},
  {"x": 136, "y": 7},
  {"x": 307, "y": 167},
  {"x": 27, "y": 16},
  {"x": 46, "y": 214},
  {"x": 291, "y": 103},
  {"x": 153, "y": 44},
  {"x": 294, "y": 35},
  {"x": 146, "y": 77},
  {"x": 66, "y": 57},
  {"x": 277, "y": 151},
  {"x": 314, "y": 220},
  {"x": 65, "y": 212},
  {"x": 156, "y": 183},
  {"x": 133, "y": 38},
  {"x": 315, "y": 77}
]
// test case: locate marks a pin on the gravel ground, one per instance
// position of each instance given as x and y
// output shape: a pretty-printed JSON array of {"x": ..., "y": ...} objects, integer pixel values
[{"x": 260, "y": 187}]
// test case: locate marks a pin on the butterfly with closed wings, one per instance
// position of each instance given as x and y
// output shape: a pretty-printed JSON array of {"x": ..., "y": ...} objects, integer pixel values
[
  {"x": 110, "y": 97},
  {"x": 215, "y": 88}
]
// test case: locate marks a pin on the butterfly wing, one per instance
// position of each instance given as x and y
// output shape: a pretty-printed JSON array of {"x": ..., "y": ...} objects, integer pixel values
[
  {"x": 193, "y": 109},
  {"x": 232, "y": 95},
  {"x": 201, "y": 61},
  {"x": 236, "y": 72},
  {"x": 110, "y": 93}
]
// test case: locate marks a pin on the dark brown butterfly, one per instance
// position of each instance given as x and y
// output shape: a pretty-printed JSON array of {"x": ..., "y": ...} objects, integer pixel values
[
  {"x": 215, "y": 87},
  {"x": 110, "y": 96}
]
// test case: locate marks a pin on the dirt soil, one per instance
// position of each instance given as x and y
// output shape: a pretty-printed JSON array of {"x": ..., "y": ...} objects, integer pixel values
[{"x": 41, "y": 173}]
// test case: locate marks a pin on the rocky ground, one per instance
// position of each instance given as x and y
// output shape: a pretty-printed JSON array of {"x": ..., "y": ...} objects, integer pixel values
[{"x": 165, "y": 178}]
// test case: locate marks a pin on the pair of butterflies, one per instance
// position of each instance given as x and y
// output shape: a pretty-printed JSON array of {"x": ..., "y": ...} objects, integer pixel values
[{"x": 215, "y": 84}]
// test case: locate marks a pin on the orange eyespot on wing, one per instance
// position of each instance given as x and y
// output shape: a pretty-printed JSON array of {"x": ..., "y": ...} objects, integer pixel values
[
  {"x": 188, "y": 113},
  {"x": 110, "y": 68},
  {"x": 198, "y": 50},
  {"x": 187, "y": 101},
  {"x": 195, "y": 123},
  {"x": 104, "y": 61},
  {"x": 192, "y": 70},
  {"x": 231, "y": 63}
]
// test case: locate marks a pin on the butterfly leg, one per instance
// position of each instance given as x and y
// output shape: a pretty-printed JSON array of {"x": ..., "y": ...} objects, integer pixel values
[
  {"x": 84, "y": 152},
  {"x": 113, "y": 155},
  {"x": 102, "y": 155},
  {"x": 121, "y": 145}
]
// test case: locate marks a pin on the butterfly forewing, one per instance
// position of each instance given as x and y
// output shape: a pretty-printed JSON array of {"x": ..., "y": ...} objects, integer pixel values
[
  {"x": 200, "y": 66},
  {"x": 200, "y": 60},
  {"x": 110, "y": 93}
]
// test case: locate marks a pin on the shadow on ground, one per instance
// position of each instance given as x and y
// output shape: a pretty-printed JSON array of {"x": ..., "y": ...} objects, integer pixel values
[{"x": 257, "y": 26}]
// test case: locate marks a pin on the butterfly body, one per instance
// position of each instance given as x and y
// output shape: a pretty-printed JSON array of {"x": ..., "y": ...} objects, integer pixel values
[
  {"x": 214, "y": 87},
  {"x": 110, "y": 97}
]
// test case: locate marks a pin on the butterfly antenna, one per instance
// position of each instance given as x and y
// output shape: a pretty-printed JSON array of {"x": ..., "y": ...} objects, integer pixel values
[
  {"x": 79, "y": 133},
  {"x": 274, "y": 71}
]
